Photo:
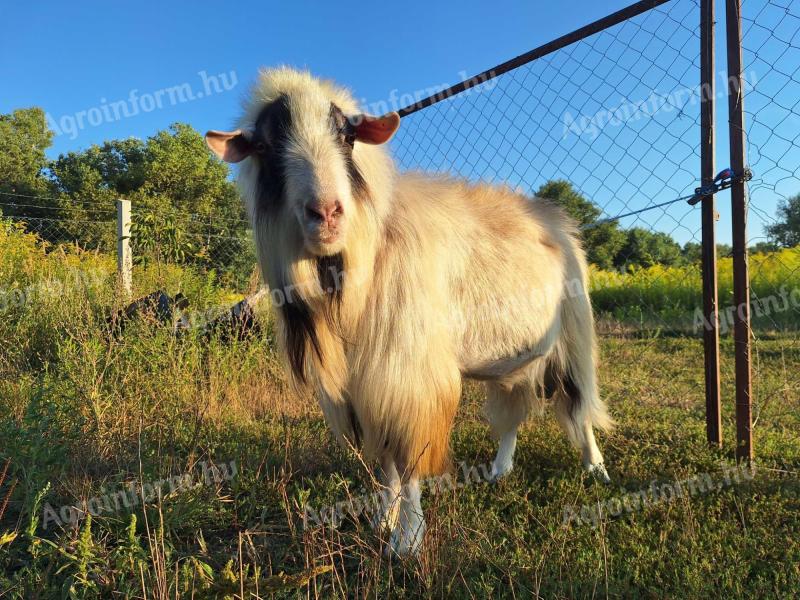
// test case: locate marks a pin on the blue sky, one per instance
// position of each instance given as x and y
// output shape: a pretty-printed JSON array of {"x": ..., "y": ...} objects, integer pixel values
[{"x": 70, "y": 58}]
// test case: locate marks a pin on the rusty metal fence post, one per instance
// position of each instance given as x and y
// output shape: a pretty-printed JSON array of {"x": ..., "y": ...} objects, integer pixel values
[
  {"x": 709, "y": 216},
  {"x": 741, "y": 276}
]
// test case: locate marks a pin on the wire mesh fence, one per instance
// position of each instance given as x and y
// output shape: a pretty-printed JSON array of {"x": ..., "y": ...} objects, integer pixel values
[
  {"x": 606, "y": 126},
  {"x": 58, "y": 220},
  {"x": 209, "y": 242},
  {"x": 771, "y": 50},
  {"x": 222, "y": 244},
  {"x": 615, "y": 117}
]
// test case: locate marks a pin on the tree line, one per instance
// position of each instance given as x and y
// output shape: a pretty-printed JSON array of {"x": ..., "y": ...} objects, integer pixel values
[
  {"x": 608, "y": 246},
  {"x": 187, "y": 208}
]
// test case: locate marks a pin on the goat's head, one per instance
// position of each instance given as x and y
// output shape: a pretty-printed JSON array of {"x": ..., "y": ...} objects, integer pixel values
[{"x": 301, "y": 138}]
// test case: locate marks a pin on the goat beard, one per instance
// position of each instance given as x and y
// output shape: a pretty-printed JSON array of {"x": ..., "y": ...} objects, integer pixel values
[{"x": 313, "y": 336}]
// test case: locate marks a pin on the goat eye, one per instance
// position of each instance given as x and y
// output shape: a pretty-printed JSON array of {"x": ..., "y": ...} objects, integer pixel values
[{"x": 260, "y": 147}]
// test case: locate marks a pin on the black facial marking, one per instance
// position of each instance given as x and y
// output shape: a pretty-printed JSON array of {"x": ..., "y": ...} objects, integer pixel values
[
  {"x": 342, "y": 128},
  {"x": 270, "y": 137},
  {"x": 357, "y": 182},
  {"x": 345, "y": 132}
]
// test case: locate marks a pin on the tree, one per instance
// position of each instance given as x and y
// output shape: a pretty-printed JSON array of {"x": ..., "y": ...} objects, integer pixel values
[
  {"x": 763, "y": 248},
  {"x": 170, "y": 170},
  {"x": 190, "y": 191},
  {"x": 172, "y": 179},
  {"x": 24, "y": 188},
  {"x": 786, "y": 232},
  {"x": 24, "y": 137},
  {"x": 117, "y": 168},
  {"x": 89, "y": 181},
  {"x": 602, "y": 242},
  {"x": 647, "y": 248},
  {"x": 692, "y": 252},
  {"x": 182, "y": 170}
]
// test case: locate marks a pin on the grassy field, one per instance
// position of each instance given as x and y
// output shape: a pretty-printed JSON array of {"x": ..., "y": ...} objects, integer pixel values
[
  {"x": 668, "y": 297},
  {"x": 87, "y": 419}
]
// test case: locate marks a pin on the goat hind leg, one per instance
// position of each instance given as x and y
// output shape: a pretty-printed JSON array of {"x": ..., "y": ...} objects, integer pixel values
[
  {"x": 577, "y": 416},
  {"x": 505, "y": 410}
]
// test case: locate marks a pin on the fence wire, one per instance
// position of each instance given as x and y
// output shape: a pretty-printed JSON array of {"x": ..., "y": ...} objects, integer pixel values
[
  {"x": 57, "y": 221},
  {"x": 771, "y": 52},
  {"x": 616, "y": 116},
  {"x": 207, "y": 243}
]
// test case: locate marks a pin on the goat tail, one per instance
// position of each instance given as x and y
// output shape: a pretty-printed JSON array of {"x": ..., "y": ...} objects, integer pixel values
[{"x": 578, "y": 356}]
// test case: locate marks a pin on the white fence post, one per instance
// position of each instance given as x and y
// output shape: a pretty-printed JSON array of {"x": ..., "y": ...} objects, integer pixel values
[{"x": 124, "y": 258}]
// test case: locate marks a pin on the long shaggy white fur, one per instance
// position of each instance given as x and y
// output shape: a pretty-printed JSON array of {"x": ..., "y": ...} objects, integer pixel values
[{"x": 443, "y": 280}]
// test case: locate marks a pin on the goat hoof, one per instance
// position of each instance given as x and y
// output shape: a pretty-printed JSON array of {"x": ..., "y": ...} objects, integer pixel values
[
  {"x": 405, "y": 541},
  {"x": 500, "y": 471},
  {"x": 386, "y": 518},
  {"x": 598, "y": 471}
]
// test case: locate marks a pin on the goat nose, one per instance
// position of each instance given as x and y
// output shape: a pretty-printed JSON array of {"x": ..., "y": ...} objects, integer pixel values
[{"x": 326, "y": 212}]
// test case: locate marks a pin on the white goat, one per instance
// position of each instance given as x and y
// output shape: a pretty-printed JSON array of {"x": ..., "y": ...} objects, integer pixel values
[{"x": 392, "y": 287}]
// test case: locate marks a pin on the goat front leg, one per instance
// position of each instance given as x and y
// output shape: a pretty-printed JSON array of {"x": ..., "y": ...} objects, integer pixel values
[
  {"x": 388, "y": 507},
  {"x": 400, "y": 510}
]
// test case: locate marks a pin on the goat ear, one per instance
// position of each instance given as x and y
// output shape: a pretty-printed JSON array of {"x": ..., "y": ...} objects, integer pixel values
[
  {"x": 375, "y": 130},
  {"x": 230, "y": 146}
]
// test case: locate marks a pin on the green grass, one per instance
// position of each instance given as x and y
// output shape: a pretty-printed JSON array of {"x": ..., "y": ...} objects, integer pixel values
[{"x": 83, "y": 414}]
